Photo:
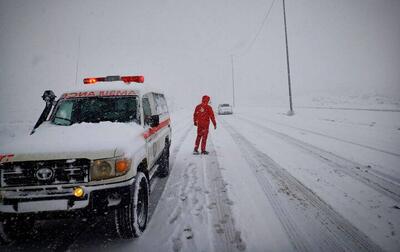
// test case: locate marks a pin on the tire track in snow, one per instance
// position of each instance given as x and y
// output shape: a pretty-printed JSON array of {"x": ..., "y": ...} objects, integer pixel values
[
  {"x": 178, "y": 145},
  {"x": 336, "y": 232},
  {"x": 181, "y": 219},
  {"x": 158, "y": 184},
  {"x": 190, "y": 219},
  {"x": 351, "y": 168},
  {"x": 220, "y": 206},
  {"x": 296, "y": 237},
  {"x": 203, "y": 200},
  {"x": 183, "y": 188},
  {"x": 188, "y": 208},
  {"x": 355, "y": 109},
  {"x": 335, "y": 138}
]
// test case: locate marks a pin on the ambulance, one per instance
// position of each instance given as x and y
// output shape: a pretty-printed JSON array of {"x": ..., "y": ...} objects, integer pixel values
[{"x": 92, "y": 151}]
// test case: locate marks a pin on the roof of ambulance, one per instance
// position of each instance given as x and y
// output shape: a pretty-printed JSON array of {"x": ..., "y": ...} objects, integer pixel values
[{"x": 139, "y": 88}]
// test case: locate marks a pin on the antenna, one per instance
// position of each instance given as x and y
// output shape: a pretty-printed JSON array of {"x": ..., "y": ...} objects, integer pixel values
[{"x": 77, "y": 60}]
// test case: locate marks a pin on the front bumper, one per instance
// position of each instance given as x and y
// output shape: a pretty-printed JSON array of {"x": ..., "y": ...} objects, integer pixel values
[
  {"x": 225, "y": 112},
  {"x": 59, "y": 200}
]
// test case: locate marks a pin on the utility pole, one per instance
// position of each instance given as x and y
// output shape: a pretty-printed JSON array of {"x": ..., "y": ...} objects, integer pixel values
[
  {"x": 290, "y": 112},
  {"x": 233, "y": 82}
]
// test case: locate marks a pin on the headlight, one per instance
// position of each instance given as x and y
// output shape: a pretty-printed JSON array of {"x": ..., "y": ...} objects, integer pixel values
[
  {"x": 102, "y": 169},
  {"x": 109, "y": 168}
]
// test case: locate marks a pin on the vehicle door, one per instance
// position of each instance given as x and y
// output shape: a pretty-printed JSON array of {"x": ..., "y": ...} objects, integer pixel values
[
  {"x": 164, "y": 128},
  {"x": 148, "y": 135}
]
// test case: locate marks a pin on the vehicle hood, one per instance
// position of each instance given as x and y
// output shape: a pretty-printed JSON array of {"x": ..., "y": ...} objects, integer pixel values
[{"x": 84, "y": 140}]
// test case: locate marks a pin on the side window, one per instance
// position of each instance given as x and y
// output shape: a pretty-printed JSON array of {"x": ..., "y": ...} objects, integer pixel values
[
  {"x": 161, "y": 104},
  {"x": 164, "y": 103},
  {"x": 157, "y": 102},
  {"x": 146, "y": 110}
]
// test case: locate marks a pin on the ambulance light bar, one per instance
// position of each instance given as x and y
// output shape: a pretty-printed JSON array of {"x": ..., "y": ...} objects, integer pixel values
[{"x": 125, "y": 79}]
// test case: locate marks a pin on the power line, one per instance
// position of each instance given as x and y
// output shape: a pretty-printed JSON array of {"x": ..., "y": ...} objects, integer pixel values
[
  {"x": 259, "y": 30},
  {"x": 249, "y": 47}
]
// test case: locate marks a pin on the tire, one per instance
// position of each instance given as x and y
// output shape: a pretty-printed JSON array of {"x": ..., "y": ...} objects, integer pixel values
[
  {"x": 4, "y": 234},
  {"x": 131, "y": 219},
  {"x": 15, "y": 229},
  {"x": 163, "y": 169}
]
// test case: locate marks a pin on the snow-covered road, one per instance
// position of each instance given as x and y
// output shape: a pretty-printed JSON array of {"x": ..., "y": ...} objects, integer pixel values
[{"x": 323, "y": 180}]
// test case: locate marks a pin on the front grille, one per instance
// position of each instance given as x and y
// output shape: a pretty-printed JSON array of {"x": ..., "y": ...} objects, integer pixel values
[{"x": 49, "y": 172}]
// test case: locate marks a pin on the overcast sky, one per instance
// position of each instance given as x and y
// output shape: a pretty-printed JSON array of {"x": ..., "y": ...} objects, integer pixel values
[{"x": 184, "y": 47}]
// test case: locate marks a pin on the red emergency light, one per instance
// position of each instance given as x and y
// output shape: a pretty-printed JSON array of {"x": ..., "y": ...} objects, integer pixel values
[
  {"x": 128, "y": 79},
  {"x": 93, "y": 80},
  {"x": 125, "y": 79}
]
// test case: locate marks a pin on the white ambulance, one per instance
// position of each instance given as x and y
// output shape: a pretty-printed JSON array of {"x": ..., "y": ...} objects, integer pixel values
[{"x": 92, "y": 151}]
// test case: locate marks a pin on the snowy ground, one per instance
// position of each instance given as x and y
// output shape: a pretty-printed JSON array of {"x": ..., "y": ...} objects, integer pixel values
[{"x": 322, "y": 180}]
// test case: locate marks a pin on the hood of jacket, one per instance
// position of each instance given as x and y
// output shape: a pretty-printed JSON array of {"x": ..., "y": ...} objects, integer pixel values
[{"x": 205, "y": 99}]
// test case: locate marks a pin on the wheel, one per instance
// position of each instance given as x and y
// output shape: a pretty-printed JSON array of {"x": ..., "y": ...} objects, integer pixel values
[
  {"x": 163, "y": 169},
  {"x": 15, "y": 229},
  {"x": 131, "y": 219}
]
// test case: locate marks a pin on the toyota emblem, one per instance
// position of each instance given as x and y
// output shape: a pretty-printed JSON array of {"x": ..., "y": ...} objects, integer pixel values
[{"x": 44, "y": 174}]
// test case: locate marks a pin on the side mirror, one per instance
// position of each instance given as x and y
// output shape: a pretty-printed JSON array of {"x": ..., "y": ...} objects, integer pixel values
[
  {"x": 49, "y": 97},
  {"x": 154, "y": 121}
]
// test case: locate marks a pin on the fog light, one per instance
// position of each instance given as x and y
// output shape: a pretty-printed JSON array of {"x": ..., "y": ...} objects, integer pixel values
[{"x": 78, "y": 192}]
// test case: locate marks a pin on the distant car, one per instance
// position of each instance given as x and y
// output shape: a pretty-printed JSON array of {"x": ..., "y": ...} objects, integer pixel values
[
  {"x": 93, "y": 151},
  {"x": 225, "y": 109}
]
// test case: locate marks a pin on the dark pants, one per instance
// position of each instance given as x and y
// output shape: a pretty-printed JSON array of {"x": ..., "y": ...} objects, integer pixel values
[{"x": 202, "y": 134}]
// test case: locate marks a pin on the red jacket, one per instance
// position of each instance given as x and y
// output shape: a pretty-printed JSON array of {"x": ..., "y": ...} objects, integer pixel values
[{"x": 203, "y": 113}]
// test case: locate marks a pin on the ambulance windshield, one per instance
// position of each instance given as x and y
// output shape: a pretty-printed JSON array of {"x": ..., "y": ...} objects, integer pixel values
[{"x": 95, "y": 109}]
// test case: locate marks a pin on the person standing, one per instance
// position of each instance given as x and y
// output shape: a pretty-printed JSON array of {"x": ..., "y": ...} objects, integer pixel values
[{"x": 203, "y": 113}]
